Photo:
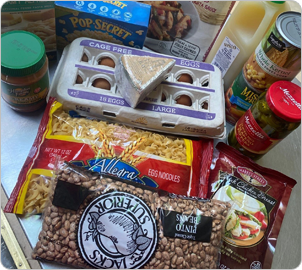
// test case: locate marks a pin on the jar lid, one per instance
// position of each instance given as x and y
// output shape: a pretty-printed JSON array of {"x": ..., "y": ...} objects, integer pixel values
[
  {"x": 22, "y": 53},
  {"x": 284, "y": 99}
]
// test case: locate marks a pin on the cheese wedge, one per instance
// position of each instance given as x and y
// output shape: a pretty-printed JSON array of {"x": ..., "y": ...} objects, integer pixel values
[{"x": 136, "y": 76}]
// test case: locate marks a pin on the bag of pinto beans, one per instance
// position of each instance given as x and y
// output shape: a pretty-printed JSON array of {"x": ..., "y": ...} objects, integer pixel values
[{"x": 99, "y": 221}]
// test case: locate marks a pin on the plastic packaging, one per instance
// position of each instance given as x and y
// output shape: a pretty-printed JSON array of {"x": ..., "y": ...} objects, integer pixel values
[
  {"x": 24, "y": 71},
  {"x": 259, "y": 197},
  {"x": 174, "y": 164},
  {"x": 242, "y": 32},
  {"x": 273, "y": 117},
  {"x": 98, "y": 221}
]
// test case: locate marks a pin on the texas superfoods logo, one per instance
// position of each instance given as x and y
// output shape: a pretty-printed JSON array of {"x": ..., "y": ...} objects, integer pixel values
[{"x": 117, "y": 230}]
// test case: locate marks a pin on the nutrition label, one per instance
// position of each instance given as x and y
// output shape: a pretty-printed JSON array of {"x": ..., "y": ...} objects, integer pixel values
[
  {"x": 225, "y": 56},
  {"x": 184, "y": 49}
]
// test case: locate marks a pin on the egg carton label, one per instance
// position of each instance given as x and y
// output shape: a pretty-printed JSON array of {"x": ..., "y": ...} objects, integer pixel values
[
  {"x": 142, "y": 105},
  {"x": 189, "y": 102},
  {"x": 123, "y": 50}
]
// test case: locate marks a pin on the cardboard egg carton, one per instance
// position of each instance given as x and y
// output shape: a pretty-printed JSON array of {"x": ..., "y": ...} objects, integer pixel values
[{"x": 203, "y": 115}]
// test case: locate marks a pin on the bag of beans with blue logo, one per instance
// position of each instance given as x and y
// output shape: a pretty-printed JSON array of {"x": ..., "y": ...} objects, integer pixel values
[{"x": 94, "y": 220}]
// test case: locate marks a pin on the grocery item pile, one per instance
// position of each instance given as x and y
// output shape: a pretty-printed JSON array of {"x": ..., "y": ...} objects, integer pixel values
[{"x": 123, "y": 168}]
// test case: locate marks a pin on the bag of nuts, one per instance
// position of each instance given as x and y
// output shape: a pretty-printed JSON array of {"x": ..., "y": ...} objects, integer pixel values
[{"x": 95, "y": 221}]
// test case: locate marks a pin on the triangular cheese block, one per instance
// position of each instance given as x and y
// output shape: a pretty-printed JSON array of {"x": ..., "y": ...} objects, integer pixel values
[
  {"x": 136, "y": 76},
  {"x": 144, "y": 70}
]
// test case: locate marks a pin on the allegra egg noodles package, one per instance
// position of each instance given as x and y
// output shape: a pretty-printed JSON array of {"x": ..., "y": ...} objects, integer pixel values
[
  {"x": 96, "y": 221},
  {"x": 174, "y": 164},
  {"x": 259, "y": 198}
]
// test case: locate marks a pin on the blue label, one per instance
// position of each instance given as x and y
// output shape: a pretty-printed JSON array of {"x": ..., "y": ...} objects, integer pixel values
[
  {"x": 113, "y": 21},
  {"x": 118, "y": 168},
  {"x": 240, "y": 102}
]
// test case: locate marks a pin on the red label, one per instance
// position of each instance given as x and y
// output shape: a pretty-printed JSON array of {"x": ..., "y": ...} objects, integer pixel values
[
  {"x": 258, "y": 178},
  {"x": 251, "y": 136},
  {"x": 172, "y": 177}
]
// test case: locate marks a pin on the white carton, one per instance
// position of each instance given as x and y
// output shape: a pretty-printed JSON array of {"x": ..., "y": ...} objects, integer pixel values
[{"x": 204, "y": 118}]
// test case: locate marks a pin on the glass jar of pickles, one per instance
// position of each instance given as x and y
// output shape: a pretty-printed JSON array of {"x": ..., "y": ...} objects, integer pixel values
[{"x": 275, "y": 114}]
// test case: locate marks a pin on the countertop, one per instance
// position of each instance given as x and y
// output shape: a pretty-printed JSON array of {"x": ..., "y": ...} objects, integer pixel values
[{"x": 19, "y": 130}]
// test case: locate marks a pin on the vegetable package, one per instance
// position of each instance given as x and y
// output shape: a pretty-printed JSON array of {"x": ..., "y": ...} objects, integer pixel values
[
  {"x": 174, "y": 164},
  {"x": 259, "y": 198},
  {"x": 95, "y": 221}
]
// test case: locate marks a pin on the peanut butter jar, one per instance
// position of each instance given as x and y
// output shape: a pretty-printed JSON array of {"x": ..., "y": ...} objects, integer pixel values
[{"x": 24, "y": 71}]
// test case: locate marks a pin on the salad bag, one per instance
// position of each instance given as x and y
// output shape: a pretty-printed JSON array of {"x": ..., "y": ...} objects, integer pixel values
[
  {"x": 174, "y": 164},
  {"x": 259, "y": 198},
  {"x": 99, "y": 221}
]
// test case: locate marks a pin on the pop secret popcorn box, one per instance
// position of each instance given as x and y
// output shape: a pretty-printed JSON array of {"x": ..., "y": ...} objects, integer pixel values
[{"x": 120, "y": 22}]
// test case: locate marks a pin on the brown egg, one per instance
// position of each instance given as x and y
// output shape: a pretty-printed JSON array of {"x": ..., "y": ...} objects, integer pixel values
[
  {"x": 107, "y": 61},
  {"x": 204, "y": 105},
  {"x": 163, "y": 97},
  {"x": 185, "y": 78},
  {"x": 101, "y": 83},
  {"x": 184, "y": 100},
  {"x": 79, "y": 80},
  {"x": 84, "y": 58}
]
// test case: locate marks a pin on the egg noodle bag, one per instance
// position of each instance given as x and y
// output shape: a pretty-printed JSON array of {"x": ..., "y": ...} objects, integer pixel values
[
  {"x": 98, "y": 221},
  {"x": 259, "y": 198},
  {"x": 174, "y": 164}
]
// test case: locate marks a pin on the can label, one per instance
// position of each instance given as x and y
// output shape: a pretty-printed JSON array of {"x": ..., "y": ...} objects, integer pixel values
[
  {"x": 25, "y": 96},
  {"x": 274, "y": 59},
  {"x": 251, "y": 136},
  {"x": 239, "y": 98}
]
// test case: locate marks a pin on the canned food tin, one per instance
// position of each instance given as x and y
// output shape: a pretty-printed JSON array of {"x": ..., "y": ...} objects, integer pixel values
[{"x": 277, "y": 57}]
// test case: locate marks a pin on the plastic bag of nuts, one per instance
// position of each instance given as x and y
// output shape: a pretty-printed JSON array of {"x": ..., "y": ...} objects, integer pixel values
[{"x": 95, "y": 221}]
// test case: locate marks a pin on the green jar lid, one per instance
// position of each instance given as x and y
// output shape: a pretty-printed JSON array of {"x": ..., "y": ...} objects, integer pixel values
[
  {"x": 278, "y": 2},
  {"x": 22, "y": 53}
]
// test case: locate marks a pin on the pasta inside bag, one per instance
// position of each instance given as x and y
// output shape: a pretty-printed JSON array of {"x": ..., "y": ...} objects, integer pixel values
[
  {"x": 177, "y": 165},
  {"x": 38, "y": 190},
  {"x": 97, "y": 221}
]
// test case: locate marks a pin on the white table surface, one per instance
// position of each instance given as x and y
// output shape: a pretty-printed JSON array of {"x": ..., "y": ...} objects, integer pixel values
[{"x": 18, "y": 132}]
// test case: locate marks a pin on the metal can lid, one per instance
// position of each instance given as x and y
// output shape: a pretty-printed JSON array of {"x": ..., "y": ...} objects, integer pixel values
[
  {"x": 289, "y": 26},
  {"x": 22, "y": 53},
  {"x": 284, "y": 99}
]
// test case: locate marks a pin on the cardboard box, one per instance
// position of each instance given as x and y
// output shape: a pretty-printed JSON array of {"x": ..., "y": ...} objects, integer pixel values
[
  {"x": 186, "y": 29},
  {"x": 37, "y": 17},
  {"x": 74, "y": 85},
  {"x": 121, "y": 22}
]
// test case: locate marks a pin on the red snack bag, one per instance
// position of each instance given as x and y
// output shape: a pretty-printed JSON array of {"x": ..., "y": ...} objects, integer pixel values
[
  {"x": 171, "y": 163},
  {"x": 259, "y": 197}
]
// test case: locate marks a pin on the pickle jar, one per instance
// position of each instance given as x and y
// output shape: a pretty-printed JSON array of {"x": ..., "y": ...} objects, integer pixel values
[
  {"x": 24, "y": 71},
  {"x": 270, "y": 119}
]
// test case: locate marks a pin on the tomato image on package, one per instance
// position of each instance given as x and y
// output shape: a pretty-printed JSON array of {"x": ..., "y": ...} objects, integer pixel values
[{"x": 114, "y": 21}]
